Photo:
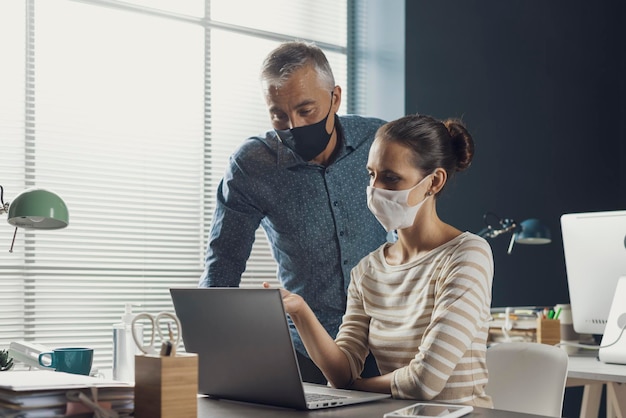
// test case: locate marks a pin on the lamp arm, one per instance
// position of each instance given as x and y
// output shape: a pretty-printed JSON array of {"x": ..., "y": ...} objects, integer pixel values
[
  {"x": 4, "y": 207},
  {"x": 510, "y": 249},
  {"x": 489, "y": 232},
  {"x": 486, "y": 232}
]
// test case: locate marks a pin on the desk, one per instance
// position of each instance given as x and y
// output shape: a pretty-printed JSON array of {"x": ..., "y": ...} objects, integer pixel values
[
  {"x": 212, "y": 408},
  {"x": 593, "y": 374}
]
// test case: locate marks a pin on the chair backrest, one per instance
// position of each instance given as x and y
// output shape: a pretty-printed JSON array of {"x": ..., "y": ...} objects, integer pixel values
[{"x": 527, "y": 377}]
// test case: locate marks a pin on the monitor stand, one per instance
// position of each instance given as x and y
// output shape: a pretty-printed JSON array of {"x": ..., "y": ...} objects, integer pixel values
[{"x": 615, "y": 353}]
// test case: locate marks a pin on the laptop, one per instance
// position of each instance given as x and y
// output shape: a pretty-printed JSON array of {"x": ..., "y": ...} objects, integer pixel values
[{"x": 245, "y": 352}]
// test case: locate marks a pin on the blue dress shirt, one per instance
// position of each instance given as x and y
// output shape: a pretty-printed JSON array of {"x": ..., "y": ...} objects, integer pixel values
[{"x": 316, "y": 218}]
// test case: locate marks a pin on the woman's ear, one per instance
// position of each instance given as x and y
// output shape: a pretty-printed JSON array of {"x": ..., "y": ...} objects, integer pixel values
[{"x": 438, "y": 180}]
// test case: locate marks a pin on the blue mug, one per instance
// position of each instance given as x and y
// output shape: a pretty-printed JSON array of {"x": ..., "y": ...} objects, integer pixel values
[{"x": 69, "y": 360}]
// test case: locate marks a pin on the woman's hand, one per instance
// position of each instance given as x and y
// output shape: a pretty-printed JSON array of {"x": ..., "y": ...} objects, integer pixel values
[
  {"x": 293, "y": 303},
  {"x": 320, "y": 346}
]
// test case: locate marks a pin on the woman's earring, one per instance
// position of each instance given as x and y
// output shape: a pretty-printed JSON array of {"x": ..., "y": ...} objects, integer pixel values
[{"x": 429, "y": 193}]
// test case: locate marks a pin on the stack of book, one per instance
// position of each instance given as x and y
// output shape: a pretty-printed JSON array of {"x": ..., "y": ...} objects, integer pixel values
[
  {"x": 514, "y": 323},
  {"x": 44, "y": 393}
]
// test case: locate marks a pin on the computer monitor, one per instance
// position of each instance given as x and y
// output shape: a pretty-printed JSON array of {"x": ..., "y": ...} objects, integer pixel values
[{"x": 594, "y": 245}]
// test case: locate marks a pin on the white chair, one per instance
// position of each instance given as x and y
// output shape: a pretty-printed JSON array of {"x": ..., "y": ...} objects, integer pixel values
[{"x": 527, "y": 377}]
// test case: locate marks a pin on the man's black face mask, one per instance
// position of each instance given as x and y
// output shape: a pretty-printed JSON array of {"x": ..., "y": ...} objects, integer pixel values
[{"x": 308, "y": 141}]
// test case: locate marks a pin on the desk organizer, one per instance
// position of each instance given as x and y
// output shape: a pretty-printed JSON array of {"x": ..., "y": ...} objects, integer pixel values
[
  {"x": 166, "y": 387},
  {"x": 548, "y": 331}
]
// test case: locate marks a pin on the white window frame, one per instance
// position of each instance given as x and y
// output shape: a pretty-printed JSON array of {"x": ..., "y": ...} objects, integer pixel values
[{"x": 21, "y": 318}]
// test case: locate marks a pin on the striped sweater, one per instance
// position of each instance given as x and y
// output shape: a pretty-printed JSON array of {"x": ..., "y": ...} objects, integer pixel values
[{"x": 424, "y": 321}]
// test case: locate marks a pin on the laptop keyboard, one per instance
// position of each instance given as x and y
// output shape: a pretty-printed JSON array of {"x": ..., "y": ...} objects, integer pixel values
[{"x": 320, "y": 397}]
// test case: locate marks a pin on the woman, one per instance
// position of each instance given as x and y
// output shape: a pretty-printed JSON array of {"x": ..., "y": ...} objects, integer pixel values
[{"x": 421, "y": 304}]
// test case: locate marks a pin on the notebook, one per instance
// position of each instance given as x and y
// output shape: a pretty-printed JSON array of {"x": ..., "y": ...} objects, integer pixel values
[{"x": 245, "y": 352}]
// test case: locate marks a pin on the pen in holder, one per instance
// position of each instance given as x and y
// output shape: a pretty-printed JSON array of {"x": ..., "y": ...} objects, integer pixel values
[
  {"x": 548, "y": 331},
  {"x": 166, "y": 386}
]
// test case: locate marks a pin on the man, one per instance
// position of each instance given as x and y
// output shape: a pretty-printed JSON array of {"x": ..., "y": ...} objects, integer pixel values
[{"x": 305, "y": 183}]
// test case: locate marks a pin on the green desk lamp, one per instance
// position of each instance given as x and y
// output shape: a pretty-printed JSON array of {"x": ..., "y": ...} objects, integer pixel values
[
  {"x": 35, "y": 208},
  {"x": 530, "y": 231}
]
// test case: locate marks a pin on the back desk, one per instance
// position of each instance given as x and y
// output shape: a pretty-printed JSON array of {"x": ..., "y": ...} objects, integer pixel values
[{"x": 594, "y": 375}]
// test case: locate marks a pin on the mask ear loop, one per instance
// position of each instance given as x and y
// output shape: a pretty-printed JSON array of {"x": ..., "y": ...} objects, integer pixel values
[{"x": 332, "y": 94}]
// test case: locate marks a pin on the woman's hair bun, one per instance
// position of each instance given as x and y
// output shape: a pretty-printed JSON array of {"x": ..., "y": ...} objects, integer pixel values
[{"x": 462, "y": 143}]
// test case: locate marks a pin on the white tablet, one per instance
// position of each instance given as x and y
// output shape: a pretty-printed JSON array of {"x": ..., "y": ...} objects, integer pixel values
[{"x": 430, "y": 410}]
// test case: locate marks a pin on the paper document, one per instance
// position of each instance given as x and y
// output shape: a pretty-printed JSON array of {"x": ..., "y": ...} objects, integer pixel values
[{"x": 49, "y": 380}]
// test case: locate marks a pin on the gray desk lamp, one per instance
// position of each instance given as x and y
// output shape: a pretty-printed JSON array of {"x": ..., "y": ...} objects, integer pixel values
[
  {"x": 530, "y": 231},
  {"x": 35, "y": 209}
]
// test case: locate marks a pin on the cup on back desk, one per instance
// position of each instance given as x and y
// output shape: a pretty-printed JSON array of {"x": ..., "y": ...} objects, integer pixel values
[
  {"x": 568, "y": 335},
  {"x": 75, "y": 360}
]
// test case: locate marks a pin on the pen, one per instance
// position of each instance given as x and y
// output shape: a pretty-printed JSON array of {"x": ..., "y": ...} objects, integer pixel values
[
  {"x": 166, "y": 349},
  {"x": 551, "y": 314},
  {"x": 172, "y": 351},
  {"x": 558, "y": 312}
]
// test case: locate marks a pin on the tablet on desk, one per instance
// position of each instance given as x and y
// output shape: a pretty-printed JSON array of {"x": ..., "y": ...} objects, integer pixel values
[{"x": 430, "y": 410}]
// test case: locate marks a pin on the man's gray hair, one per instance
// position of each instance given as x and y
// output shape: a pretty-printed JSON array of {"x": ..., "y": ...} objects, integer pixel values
[{"x": 291, "y": 56}]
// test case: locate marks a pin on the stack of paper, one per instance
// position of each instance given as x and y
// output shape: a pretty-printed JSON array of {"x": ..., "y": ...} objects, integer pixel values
[
  {"x": 523, "y": 317},
  {"x": 44, "y": 393},
  {"x": 517, "y": 323}
]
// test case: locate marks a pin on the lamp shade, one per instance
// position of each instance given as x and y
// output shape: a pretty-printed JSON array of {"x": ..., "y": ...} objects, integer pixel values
[
  {"x": 533, "y": 231},
  {"x": 38, "y": 209}
]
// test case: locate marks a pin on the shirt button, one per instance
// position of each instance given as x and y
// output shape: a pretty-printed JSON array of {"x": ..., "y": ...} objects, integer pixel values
[
  {"x": 341, "y": 233},
  {"x": 345, "y": 262},
  {"x": 335, "y": 203}
]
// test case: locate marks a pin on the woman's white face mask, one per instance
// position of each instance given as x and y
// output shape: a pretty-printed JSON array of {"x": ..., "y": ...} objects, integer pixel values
[{"x": 391, "y": 207}]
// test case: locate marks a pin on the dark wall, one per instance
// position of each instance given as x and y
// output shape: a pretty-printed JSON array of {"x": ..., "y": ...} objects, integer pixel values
[
  {"x": 541, "y": 86},
  {"x": 622, "y": 81}
]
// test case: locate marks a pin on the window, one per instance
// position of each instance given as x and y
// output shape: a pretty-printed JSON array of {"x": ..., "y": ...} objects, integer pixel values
[{"x": 129, "y": 110}]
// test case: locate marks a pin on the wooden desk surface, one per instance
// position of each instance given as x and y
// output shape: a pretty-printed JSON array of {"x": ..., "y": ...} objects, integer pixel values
[{"x": 213, "y": 408}]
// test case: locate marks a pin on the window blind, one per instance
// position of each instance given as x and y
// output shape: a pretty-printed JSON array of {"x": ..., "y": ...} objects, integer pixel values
[{"x": 129, "y": 111}]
